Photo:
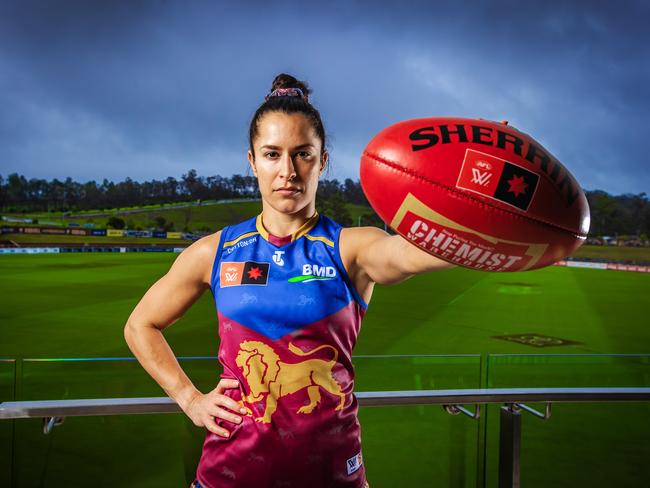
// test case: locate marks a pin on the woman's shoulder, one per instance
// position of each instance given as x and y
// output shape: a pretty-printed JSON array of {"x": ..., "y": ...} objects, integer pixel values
[
  {"x": 361, "y": 235},
  {"x": 354, "y": 240},
  {"x": 209, "y": 242},
  {"x": 352, "y": 234},
  {"x": 200, "y": 254}
]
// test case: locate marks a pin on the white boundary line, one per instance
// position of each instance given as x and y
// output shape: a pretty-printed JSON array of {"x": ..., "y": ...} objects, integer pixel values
[{"x": 600, "y": 265}]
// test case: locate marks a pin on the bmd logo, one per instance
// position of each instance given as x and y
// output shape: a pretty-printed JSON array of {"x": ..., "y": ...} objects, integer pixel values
[
  {"x": 318, "y": 271},
  {"x": 313, "y": 272}
]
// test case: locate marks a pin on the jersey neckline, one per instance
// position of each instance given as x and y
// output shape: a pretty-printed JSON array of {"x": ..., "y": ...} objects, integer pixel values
[{"x": 284, "y": 240}]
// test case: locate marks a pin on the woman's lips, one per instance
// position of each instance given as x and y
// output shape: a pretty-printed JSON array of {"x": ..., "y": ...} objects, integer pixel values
[{"x": 287, "y": 191}]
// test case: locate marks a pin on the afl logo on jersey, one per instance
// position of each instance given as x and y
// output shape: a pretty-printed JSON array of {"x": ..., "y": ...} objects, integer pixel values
[{"x": 248, "y": 273}]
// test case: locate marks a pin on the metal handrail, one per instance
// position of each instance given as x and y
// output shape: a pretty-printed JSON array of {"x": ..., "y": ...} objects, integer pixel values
[
  {"x": 125, "y": 406},
  {"x": 54, "y": 412}
]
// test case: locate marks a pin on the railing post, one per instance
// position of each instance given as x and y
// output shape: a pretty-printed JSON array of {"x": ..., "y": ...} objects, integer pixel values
[{"x": 509, "y": 446}]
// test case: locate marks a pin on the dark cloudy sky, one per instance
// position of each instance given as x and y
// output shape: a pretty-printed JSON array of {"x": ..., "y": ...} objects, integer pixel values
[{"x": 149, "y": 89}]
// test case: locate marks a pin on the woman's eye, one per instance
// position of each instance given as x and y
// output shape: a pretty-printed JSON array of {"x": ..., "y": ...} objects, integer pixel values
[
  {"x": 271, "y": 154},
  {"x": 304, "y": 155}
]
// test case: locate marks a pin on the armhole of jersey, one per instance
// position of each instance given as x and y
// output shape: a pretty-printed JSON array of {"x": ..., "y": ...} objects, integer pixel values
[
  {"x": 344, "y": 273},
  {"x": 217, "y": 258}
]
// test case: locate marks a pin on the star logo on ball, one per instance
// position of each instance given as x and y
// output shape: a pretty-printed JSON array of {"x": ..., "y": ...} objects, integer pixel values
[
  {"x": 254, "y": 273},
  {"x": 517, "y": 185}
]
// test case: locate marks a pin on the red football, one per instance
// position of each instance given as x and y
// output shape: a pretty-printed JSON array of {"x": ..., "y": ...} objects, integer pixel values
[{"x": 476, "y": 193}]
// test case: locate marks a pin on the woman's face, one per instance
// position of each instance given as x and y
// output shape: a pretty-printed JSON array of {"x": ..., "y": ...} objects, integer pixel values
[{"x": 288, "y": 160}]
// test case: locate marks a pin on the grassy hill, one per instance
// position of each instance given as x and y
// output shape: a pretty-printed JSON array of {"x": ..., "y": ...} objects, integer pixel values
[
  {"x": 212, "y": 216},
  {"x": 197, "y": 218},
  {"x": 621, "y": 253},
  {"x": 206, "y": 216}
]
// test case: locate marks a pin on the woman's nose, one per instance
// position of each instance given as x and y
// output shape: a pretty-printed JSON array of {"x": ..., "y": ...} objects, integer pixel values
[{"x": 287, "y": 168}]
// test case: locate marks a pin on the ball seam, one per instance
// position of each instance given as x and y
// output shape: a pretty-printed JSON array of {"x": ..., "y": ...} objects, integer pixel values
[{"x": 408, "y": 171}]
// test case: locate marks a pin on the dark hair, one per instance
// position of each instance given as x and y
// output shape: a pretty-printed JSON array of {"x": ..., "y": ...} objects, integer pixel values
[{"x": 288, "y": 105}]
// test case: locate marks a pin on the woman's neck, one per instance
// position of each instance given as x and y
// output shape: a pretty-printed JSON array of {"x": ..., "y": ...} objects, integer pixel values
[{"x": 282, "y": 224}]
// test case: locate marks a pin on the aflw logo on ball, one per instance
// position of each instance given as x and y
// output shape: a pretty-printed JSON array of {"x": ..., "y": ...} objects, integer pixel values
[
  {"x": 498, "y": 179},
  {"x": 481, "y": 177}
]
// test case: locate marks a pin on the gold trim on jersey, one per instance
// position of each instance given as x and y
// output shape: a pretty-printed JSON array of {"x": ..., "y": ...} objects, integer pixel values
[
  {"x": 327, "y": 241},
  {"x": 237, "y": 239},
  {"x": 302, "y": 231}
]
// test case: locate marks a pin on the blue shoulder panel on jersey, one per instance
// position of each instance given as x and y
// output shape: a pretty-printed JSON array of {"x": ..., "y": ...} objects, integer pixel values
[{"x": 276, "y": 290}]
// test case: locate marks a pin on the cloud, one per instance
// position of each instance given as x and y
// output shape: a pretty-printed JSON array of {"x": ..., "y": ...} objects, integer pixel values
[{"x": 152, "y": 89}]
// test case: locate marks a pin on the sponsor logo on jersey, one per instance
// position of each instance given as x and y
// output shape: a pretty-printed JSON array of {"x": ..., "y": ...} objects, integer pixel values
[
  {"x": 247, "y": 273},
  {"x": 277, "y": 258},
  {"x": 497, "y": 179},
  {"x": 354, "y": 463},
  {"x": 314, "y": 272},
  {"x": 238, "y": 244}
]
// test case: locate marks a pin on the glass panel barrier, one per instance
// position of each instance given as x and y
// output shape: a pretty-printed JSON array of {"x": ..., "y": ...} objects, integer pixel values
[
  {"x": 154, "y": 450},
  {"x": 590, "y": 444},
  {"x": 418, "y": 445},
  {"x": 7, "y": 388},
  {"x": 163, "y": 450}
]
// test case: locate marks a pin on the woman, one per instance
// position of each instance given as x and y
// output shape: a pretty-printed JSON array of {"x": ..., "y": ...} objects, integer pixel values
[{"x": 291, "y": 287}]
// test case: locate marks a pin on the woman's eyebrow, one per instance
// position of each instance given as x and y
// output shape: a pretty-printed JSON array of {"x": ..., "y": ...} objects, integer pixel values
[{"x": 271, "y": 146}]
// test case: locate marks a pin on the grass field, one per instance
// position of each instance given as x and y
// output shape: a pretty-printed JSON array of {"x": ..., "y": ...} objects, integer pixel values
[
  {"x": 62, "y": 306},
  {"x": 449, "y": 312}
]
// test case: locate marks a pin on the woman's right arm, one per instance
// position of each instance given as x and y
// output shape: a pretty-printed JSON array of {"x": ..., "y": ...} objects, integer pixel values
[{"x": 162, "y": 305}]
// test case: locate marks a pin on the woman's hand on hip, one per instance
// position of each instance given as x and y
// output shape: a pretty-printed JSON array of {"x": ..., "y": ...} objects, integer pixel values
[{"x": 203, "y": 408}]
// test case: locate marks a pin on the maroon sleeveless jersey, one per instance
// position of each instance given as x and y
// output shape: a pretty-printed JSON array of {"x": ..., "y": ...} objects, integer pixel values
[{"x": 289, "y": 317}]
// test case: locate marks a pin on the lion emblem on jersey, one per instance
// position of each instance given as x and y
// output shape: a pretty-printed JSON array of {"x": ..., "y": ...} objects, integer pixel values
[{"x": 266, "y": 374}]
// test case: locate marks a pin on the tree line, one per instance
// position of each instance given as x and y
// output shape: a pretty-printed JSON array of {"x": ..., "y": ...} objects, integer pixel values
[
  {"x": 616, "y": 215},
  {"x": 626, "y": 214},
  {"x": 18, "y": 194}
]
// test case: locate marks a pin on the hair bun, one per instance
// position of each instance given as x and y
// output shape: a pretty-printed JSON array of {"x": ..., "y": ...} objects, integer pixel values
[{"x": 284, "y": 80}]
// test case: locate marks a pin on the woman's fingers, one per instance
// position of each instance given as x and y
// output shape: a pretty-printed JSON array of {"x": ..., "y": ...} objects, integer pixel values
[
  {"x": 225, "y": 400},
  {"x": 204, "y": 410},
  {"x": 211, "y": 424},
  {"x": 226, "y": 415},
  {"x": 225, "y": 384}
]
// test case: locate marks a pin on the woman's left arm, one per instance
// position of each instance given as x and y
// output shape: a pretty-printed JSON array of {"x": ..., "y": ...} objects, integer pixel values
[{"x": 387, "y": 259}]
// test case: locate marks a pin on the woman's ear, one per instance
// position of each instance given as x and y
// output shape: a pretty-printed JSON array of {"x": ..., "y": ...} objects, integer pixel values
[
  {"x": 324, "y": 161},
  {"x": 251, "y": 161}
]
